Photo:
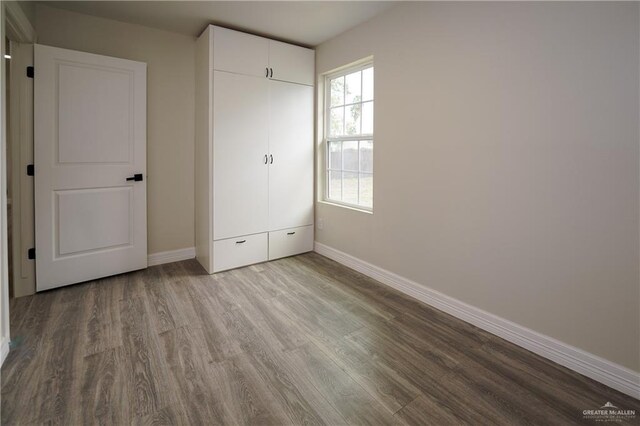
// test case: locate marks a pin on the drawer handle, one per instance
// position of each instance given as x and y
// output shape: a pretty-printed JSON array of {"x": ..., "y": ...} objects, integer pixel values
[
  {"x": 241, "y": 241},
  {"x": 291, "y": 233}
]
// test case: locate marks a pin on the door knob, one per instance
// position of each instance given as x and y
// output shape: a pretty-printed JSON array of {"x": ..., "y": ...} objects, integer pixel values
[{"x": 137, "y": 177}]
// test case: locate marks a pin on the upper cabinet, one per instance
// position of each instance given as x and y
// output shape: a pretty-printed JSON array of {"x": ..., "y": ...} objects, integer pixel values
[
  {"x": 291, "y": 63},
  {"x": 242, "y": 53}
]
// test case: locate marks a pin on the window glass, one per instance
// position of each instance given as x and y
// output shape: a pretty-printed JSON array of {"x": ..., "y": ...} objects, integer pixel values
[
  {"x": 366, "y": 156},
  {"x": 350, "y": 156},
  {"x": 337, "y": 91},
  {"x": 352, "y": 93}
]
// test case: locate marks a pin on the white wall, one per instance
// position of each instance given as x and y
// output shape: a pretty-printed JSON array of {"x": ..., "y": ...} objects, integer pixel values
[
  {"x": 506, "y": 162},
  {"x": 170, "y": 62}
]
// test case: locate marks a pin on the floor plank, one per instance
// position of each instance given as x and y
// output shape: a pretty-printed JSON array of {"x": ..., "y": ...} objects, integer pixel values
[
  {"x": 301, "y": 340},
  {"x": 247, "y": 399},
  {"x": 351, "y": 400},
  {"x": 103, "y": 397}
]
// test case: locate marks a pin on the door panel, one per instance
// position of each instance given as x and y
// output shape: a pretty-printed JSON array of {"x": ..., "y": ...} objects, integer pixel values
[
  {"x": 101, "y": 97},
  {"x": 240, "y": 53},
  {"x": 291, "y": 63},
  {"x": 291, "y": 145},
  {"x": 89, "y": 136},
  {"x": 240, "y": 138},
  {"x": 92, "y": 219}
]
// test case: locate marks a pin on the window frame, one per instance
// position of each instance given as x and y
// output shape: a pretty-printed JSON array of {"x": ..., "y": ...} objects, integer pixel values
[{"x": 360, "y": 66}]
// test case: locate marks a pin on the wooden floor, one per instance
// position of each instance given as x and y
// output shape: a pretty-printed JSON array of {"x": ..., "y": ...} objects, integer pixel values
[{"x": 297, "y": 341}]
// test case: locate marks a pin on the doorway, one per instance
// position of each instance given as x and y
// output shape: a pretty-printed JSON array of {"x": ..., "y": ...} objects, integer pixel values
[{"x": 15, "y": 30}]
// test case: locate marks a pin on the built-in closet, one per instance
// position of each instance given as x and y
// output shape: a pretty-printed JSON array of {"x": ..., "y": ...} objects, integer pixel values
[{"x": 254, "y": 149}]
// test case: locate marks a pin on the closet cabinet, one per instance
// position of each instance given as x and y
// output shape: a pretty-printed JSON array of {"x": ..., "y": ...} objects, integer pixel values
[{"x": 254, "y": 149}]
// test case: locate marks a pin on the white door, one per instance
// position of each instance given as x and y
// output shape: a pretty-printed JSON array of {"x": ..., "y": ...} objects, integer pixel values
[
  {"x": 240, "y": 53},
  {"x": 291, "y": 148},
  {"x": 240, "y": 149},
  {"x": 291, "y": 63},
  {"x": 89, "y": 139}
]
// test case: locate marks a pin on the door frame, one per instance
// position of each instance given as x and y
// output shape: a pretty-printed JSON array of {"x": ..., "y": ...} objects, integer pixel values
[
  {"x": 20, "y": 138},
  {"x": 18, "y": 28}
]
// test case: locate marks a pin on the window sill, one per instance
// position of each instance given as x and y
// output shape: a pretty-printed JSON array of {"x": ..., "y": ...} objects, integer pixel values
[{"x": 345, "y": 206}]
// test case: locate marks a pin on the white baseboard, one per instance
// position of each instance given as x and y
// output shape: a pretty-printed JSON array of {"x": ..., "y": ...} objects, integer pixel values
[
  {"x": 595, "y": 367},
  {"x": 4, "y": 349},
  {"x": 171, "y": 256}
]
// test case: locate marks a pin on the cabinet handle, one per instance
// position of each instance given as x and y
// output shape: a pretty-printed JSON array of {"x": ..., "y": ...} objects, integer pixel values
[
  {"x": 267, "y": 72},
  {"x": 270, "y": 159},
  {"x": 291, "y": 233},
  {"x": 265, "y": 159},
  {"x": 271, "y": 72},
  {"x": 241, "y": 242}
]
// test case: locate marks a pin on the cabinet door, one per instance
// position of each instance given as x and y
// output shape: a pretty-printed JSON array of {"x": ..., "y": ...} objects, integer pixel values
[
  {"x": 291, "y": 63},
  {"x": 240, "y": 146},
  {"x": 291, "y": 145},
  {"x": 240, "y": 53}
]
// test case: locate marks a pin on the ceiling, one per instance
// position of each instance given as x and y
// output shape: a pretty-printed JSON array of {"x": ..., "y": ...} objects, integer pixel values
[{"x": 307, "y": 23}]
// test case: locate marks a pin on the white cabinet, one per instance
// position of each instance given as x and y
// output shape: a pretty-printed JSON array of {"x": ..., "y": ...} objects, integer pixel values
[
  {"x": 236, "y": 252},
  {"x": 239, "y": 53},
  {"x": 254, "y": 149},
  {"x": 247, "y": 54},
  {"x": 294, "y": 240},
  {"x": 291, "y": 63},
  {"x": 240, "y": 147},
  {"x": 291, "y": 150}
]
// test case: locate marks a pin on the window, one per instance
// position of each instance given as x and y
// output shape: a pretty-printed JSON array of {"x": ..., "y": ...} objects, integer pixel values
[{"x": 349, "y": 137}]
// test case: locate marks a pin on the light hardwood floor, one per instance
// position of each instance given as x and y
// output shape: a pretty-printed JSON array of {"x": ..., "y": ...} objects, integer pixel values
[{"x": 301, "y": 340}]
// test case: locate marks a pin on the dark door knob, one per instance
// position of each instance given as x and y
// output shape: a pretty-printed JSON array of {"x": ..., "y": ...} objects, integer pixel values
[{"x": 137, "y": 177}]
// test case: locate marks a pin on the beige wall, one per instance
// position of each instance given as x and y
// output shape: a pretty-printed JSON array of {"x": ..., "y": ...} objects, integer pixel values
[
  {"x": 29, "y": 9},
  {"x": 506, "y": 162},
  {"x": 4, "y": 251},
  {"x": 170, "y": 62}
]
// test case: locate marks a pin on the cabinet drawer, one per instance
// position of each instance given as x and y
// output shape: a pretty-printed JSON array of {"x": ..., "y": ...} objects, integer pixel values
[
  {"x": 290, "y": 241},
  {"x": 240, "y": 251}
]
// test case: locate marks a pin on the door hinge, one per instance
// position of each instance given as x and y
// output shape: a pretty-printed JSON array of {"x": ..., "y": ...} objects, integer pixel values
[
  {"x": 31, "y": 254},
  {"x": 30, "y": 72},
  {"x": 30, "y": 170}
]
